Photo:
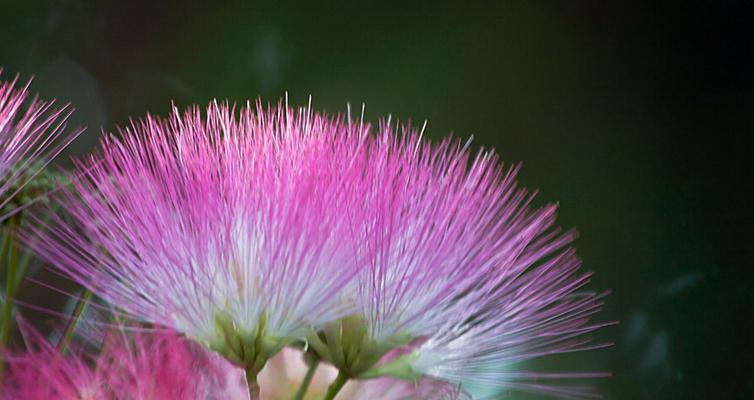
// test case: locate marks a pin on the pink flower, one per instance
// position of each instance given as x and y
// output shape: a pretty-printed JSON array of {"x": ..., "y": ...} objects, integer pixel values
[
  {"x": 228, "y": 229},
  {"x": 130, "y": 366},
  {"x": 31, "y": 134},
  {"x": 462, "y": 273}
]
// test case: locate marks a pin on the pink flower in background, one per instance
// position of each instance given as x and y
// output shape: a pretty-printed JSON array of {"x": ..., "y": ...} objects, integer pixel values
[
  {"x": 32, "y": 132},
  {"x": 130, "y": 366}
]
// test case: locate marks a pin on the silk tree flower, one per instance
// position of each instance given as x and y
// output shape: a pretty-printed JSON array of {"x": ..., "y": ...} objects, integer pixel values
[
  {"x": 32, "y": 133},
  {"x": 462, "y": 273},
  {"x": 227, "y": 228},
  {"x": 129, "y": 366}
]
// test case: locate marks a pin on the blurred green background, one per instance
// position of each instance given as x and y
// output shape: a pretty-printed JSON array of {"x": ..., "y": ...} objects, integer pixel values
[{"x": 637, "y": 117}]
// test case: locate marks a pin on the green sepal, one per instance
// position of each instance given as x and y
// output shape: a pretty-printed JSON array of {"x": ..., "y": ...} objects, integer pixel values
[
  {"x": 318, "y": 346},
  {"x": 247, "y": 349},
  {"x": 348, "y": 346},
  {"x": 400, "y": 367}
]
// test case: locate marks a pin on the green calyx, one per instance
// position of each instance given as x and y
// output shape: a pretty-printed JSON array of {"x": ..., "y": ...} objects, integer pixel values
[
  {"x": 400, "y": 367},
  {"x": 347, "y": 345},
  {"x": 249, "y": 350},
  {"x": 29, "y": 183}
]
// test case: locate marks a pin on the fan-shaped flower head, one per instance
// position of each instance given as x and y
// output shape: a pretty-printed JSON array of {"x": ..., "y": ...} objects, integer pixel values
[
  {"x": 31, "y": 134},
  {"x": 129, "y": 366},
  {"x": 228, "y": 228},
  {"x": 461, "y": 272}
]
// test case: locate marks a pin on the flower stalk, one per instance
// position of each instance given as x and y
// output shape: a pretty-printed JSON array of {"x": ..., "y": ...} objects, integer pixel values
[
  {"x": 81, "y": 307},
  {"x": 301, "y": 392},
  {"x": 10, "y": 285},
  {"x": 251, "y": 382},
  {"x": 335, "y": 387}
]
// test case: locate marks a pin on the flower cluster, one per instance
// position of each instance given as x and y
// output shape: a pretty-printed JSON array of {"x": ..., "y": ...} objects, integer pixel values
[{"x": 256, "y": 230}]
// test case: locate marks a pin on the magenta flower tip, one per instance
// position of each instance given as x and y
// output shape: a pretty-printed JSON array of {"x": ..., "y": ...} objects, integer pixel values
[{"x": 32, "y": 133}]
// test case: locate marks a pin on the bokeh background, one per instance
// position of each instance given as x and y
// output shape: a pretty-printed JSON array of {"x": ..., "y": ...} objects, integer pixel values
[{"x": 636, "y": 117}]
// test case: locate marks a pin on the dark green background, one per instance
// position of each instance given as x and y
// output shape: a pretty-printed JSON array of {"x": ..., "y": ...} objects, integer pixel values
[{"x": 636, "y": 117}]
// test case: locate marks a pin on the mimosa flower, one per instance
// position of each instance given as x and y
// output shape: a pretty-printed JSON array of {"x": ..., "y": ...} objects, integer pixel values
[
  {"x": 228, "y": 229},
  {"x": 462, "y": 273},
  {"x": 129, "y": 367},
  {"x": 32, "y": 133}
]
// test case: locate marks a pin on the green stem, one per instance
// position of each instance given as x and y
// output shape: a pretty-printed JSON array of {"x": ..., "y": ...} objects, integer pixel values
[
  {"x": 307, "y": 380},
  {"x": 10, "y": 286},
  {"x": 335, "y": 387},
  {"x": 81, "y": 305},
  {"x": 251, "y": 381},
  {"x": 4, "y": 244},
  {"x": 23, "y": 265}
]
